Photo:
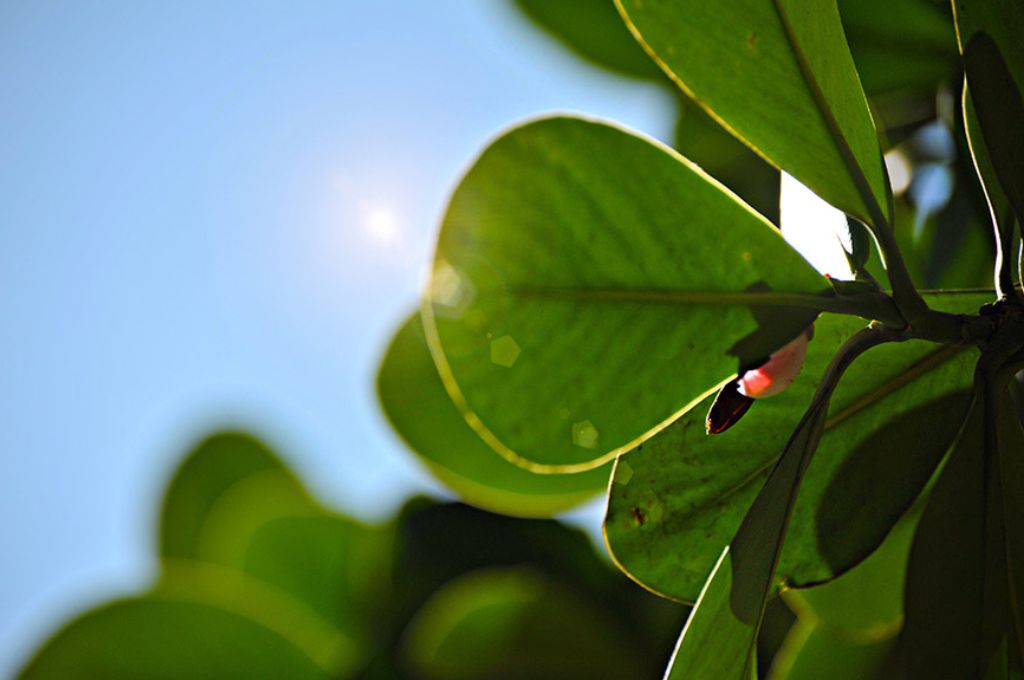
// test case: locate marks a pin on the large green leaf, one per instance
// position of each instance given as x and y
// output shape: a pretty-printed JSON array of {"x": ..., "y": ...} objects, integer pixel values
[
  {"x": 418, "y": 407},
  {"x": 171, "y": 638},
  {"x": 590, "y": 286},
  {"x": 777, "y": 73},
  {"x": 211, "y": 468},
  {"x": 594, "y": 31},
  {"x": 514, "y": 623},
  {"x": 677, "y": 499}
]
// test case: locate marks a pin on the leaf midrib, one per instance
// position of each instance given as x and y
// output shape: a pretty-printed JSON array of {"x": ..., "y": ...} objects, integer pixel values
[{"x": 860, "y": 181}]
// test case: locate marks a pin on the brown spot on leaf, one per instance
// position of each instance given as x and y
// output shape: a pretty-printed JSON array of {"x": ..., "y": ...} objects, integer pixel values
[
  {"x": 638, "y": 516},
  {"x": 752, "y": 40}
]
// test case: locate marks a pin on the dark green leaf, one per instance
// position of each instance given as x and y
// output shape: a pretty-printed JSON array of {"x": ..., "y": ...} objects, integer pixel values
[
  {"x": 436, "y": 544},
  {"x": 702, "y": 140},
  {"x": 677, "y": 500},
  {"x": 591, "y": 285},
  {"x": 170, "y": 638},
  {"x": 415, "y": 402},
  {"x": 994, "y": 136},
  {"x": 867, "y": 601},
  {"x": 594, "y": 31},
  {"x": 956, "y": 576},
  {"x": 778, "y": 74},
  {"x": 997, "y": 104},
  {"x": 514, "y": 623},
  {"x": 1011, "y": 468}
]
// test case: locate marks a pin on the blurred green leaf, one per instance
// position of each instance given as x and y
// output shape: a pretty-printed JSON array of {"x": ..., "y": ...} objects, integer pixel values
[
  {"x": 418, "y": 407},
  {"x": 677, "y": 499},
  {"x": 436, "y": 544},
  {"x": 585, "y": 292},
  {"x": 515, "y": 624},
  {"x": 594, "y": 31},
  {"x": 172, "y": 637},
  {"x": 900, "y": 44},
  {"x": 258, "y": 519},
  {"x": 814, "y": 651},
  {"x": 780, "y": 76},
  {"x": 212, "y": 467},
  {"x": 246, "y": 506},
  {"x": 331, "y": 563}
]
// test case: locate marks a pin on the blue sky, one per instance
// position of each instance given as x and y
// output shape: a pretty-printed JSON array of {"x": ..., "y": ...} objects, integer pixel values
[{"x": 216, "y": 213}]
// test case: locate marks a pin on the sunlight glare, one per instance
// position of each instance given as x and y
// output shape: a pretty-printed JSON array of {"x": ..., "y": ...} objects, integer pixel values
[
  {"x": 381, "y": 224},
  {"x": 814, "y": 228}
]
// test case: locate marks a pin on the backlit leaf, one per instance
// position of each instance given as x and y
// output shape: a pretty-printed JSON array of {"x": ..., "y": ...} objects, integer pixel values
[
  {"x": 590, "y": 285},
  {"x": 778, "y": 73},
  {"x": 418, "y": 407}
]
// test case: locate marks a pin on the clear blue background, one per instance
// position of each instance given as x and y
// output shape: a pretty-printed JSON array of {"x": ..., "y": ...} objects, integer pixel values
[{"x": 216, "y": 212}]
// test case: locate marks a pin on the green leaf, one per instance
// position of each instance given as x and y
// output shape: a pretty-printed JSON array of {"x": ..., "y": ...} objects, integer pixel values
[
  {"x": 590, "y": 286},
  {"x": 1000, "y": 212},
  {"x": 332, "y": 564},
  {"x": 780, "y": 76},
  {"x": 594, "y": 31},
  {"x": 867, "y": 601},
  {"x": 996, "y": 100},
  {"x": 1010, "y": 439},
  {"x": 415, "y": 402},
  {"x": 814, "y": 651},
  {"x": 209, "y": 470},
  {"x": 905, "y": 45},
  {"x": 720, "y": 636},
  {"x": 436, "y": 544},
  {"x": 956, "y": 576},
  {"x": 243, "y": 508},
  {"x": 995, "y": 136},
  {"x": 514, "y": 623},
  {"x": 677, "y": 499},
  {"x": 702, "y": 140},
  {"x": 169, "y": 637}
]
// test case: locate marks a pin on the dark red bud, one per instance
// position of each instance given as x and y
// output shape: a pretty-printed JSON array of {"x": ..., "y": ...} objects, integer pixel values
[{"x": 727, "y": 409}]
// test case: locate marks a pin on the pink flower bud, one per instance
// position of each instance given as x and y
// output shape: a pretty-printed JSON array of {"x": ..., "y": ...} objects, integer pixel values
[
  {"x": 768, "y": 379},
  {"x": 778, "y": 372}
]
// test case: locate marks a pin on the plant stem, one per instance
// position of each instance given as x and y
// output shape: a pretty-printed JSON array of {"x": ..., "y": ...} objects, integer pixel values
[{"x": 908, "y": 300}]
